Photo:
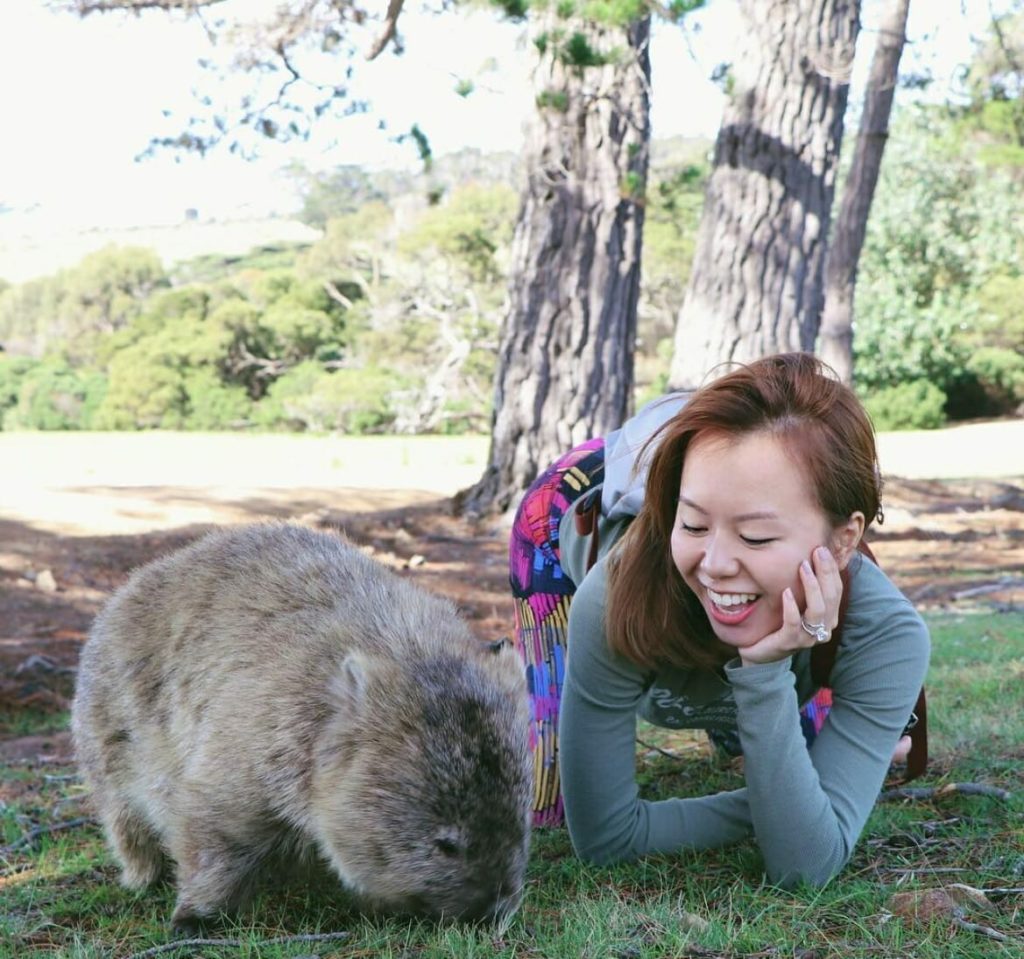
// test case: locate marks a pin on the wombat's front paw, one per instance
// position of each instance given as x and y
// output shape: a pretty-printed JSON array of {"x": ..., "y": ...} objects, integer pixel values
[{"x": 185, "y": 923}]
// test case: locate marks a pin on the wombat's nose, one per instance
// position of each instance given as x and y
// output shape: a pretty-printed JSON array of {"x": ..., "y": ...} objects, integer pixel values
[{"x": 491, "y": 904}]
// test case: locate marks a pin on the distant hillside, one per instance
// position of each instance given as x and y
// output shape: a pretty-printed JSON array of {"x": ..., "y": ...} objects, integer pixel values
[
  {"x": 24, "y": 255},
  {"x": 28, "y": 251}
]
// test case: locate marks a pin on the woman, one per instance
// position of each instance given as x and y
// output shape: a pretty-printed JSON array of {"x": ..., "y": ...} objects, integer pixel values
[{"x": 729, "y": 516}]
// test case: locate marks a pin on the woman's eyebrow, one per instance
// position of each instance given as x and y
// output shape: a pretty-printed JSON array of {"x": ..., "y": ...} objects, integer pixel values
[{"x": 743, "y": 517}]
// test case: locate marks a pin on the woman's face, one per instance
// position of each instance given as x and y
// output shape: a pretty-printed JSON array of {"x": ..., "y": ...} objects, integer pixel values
[{"x": 746, "y": 519}]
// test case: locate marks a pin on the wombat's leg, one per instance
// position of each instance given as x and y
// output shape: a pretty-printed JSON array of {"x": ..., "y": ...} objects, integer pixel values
[
  {"x": 214, "y": 875},
  {"x": 135, "y": 844}
]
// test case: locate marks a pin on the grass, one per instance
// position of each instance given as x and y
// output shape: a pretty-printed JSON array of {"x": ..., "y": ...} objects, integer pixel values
[{"x": 61, "y": 899}]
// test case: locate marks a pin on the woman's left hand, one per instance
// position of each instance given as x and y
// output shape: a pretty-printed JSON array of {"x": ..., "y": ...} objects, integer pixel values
[{"x": 823, "y": 588}]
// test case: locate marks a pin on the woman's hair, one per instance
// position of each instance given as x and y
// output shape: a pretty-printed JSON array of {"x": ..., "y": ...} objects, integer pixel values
[{"x": 653, "y": 617}]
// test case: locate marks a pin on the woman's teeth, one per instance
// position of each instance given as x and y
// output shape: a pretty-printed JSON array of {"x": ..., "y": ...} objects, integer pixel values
[{"x": 731, "y": 599}]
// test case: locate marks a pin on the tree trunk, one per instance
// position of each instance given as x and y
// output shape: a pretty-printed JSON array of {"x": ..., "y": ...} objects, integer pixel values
[
  {"x": 565, "y": 364},
  {"x": 835, "y": 341},
  {"x": 756, "y": 285}
]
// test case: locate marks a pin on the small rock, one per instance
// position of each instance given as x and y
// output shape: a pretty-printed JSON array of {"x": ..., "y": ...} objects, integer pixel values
[
  {"x": 416, "y": 560},
  {"x": 46, "y": 582}
]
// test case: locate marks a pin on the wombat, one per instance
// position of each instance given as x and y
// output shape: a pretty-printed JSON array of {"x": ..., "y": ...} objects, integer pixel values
[{"x": 270, "y": 691}]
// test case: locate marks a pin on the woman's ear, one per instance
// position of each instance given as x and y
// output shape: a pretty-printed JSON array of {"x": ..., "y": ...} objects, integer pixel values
[{"x": 846, "y": 537}]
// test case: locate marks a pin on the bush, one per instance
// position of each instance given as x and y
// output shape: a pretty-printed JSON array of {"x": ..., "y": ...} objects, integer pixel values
[
  {"x": 214, "y": 405},
  {"x": 52, "y": 396},
  {"x": 1000, "y": 373},
  {"x": 13, "y": 370},
  {"x": 144, "y": 393},
  {"x": 308, "y": 397},
  {"x": 916, "y": 405}
]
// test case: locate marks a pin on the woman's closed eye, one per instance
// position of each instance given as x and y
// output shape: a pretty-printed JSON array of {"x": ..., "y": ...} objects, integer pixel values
[
  {"x": 693, "y": 530},
  {"x": 756, "y": 541}
]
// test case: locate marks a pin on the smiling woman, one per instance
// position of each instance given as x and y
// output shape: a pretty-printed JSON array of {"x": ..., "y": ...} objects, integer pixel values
[{"x": 730, "y": 521}]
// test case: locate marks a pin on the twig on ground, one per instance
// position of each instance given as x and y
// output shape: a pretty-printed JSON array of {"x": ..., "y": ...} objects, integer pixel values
[
  {"x": 962, "y": 923},
  {"x": 1001, "y": 892},
  {"x": 928, "y": 869},
  {"x": 237, "y": 943},
  {"x": 658, "y": 749},
  {"x": 934, "y": 792},
  {"x": 30, "y": 837}
]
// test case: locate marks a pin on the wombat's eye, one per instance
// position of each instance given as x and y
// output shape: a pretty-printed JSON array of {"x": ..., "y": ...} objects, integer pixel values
[{"x": 447, "y": 847}]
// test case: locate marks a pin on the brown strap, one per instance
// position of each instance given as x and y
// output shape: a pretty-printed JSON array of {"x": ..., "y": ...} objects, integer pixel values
[{"x": 588, "y": 510}]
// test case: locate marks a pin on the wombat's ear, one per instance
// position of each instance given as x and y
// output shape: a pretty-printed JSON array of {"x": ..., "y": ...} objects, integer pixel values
[{"x": 347, "y": 686}]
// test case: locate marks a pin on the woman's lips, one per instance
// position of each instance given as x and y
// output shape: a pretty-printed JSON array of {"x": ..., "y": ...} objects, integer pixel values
[{"x": 729, "y": 615}]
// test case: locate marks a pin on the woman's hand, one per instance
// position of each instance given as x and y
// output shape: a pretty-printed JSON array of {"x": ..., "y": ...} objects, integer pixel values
[
  {"x": 823, "y": 589},
  {"x": 902, "y": 750}
]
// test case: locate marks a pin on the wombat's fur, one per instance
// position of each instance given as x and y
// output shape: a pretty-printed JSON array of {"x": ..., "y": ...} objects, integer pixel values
[{"x": 272, "y": 690}]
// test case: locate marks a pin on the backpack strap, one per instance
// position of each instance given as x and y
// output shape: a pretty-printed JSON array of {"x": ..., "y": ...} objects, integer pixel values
[
  {"x": 823, "y": 657},
  {"x": 588, "y": 512}
]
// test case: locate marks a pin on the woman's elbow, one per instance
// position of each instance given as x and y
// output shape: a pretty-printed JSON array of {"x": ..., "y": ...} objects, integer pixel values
[
  {"x": 812, "y": 875},
  {"x": 599, "y": 851}
]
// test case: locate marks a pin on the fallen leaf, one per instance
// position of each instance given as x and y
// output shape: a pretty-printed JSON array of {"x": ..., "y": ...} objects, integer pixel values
[
  {"x": 924, "y": 905},
  {"x": 951, "y": 902}
]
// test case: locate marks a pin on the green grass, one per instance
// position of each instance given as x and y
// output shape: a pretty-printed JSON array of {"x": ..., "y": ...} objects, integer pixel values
[{"x": 60, "y": 898}]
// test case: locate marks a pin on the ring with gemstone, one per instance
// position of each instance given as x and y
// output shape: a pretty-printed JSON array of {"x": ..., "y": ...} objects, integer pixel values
[{"x": 817, "y": 630}]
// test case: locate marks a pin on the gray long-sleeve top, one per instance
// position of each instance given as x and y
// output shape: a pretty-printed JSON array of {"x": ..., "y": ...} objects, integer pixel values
[{"x": 806, "y": 808}]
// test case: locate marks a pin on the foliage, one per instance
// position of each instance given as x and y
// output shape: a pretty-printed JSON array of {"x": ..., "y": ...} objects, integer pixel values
[
  {"x": 675, "y": 197},
  {"x": 98, "y": 296},
  {"x": 327, "y": 196},
  {"x": 53, "y": 396},
  {"x": 942, "y": 263},
  {"x": 994, "y": 83},
  {"x": 353, "y": 401},
  {"x": 374, "y": 327},
  {"x": 13, "y": 370},
  {"x": 915, "y": 405}
]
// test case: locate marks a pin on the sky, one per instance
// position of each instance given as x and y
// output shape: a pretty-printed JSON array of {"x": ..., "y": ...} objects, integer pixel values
[{"x": 81, "y": 99}]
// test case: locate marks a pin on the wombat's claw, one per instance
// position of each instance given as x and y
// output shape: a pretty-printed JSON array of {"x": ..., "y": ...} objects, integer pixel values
[{"x": 505, "y": 911}]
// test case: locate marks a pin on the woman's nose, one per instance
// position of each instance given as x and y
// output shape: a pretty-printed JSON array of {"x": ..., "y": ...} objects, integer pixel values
[{"x": 719, "y": 558}]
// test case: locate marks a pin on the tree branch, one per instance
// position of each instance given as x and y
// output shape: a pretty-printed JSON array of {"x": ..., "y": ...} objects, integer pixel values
[
  {"x": 981, "y": 930},
  {"x": 30, "y": 837},
  {"x": 192, "y": 944},
  {"x": 84, "y": 7},
  {"x": 934, "y": 792},
  {"x": 388, "y": 33}
]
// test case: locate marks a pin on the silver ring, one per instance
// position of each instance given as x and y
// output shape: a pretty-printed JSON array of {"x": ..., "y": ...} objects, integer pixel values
[{"x": 817, "y": 630}]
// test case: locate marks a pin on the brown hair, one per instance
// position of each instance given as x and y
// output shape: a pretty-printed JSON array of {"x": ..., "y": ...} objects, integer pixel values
[{"x": 653, "y": 616}]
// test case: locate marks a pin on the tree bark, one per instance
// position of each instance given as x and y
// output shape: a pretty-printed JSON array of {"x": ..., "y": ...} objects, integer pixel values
[
  {"x": 835, "y": 339},
  {"x": 756, "y": 285},
  {"x": 565, "y": 363}
]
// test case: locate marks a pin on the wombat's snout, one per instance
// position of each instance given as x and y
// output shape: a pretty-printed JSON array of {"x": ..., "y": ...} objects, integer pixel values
[{"x": 492, "y": 902}]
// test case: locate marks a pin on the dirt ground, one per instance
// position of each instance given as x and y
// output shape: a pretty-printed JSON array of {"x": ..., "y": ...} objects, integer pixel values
[{"x": 955, "y": 545}]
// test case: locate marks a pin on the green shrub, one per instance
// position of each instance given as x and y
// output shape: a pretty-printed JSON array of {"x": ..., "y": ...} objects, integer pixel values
[
  {"x": 1000, "y": 373},
  {"x": 308, "y": 397},
  {"x": 144, "y": 393},
  {"x": 213, "y": 404},
  {"x": 13, "y": 370},
  {"x": 53, "y": 396},
  {"x": 916, "y": 405}
]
